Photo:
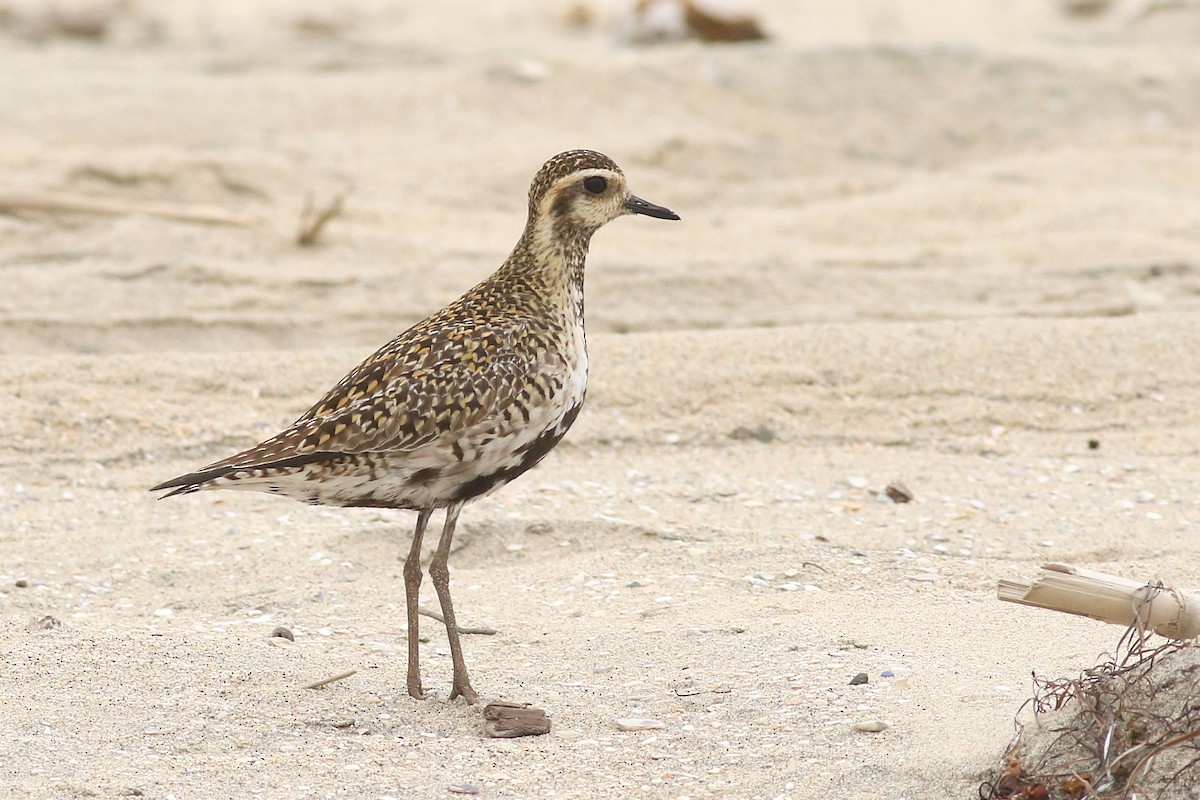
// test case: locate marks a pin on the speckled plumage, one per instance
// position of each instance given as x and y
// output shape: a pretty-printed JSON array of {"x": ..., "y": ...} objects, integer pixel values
[{"x": 462, "y": 402}]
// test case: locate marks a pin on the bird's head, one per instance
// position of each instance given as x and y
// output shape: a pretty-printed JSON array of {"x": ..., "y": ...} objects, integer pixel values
[{"x": 580, "y": 190}]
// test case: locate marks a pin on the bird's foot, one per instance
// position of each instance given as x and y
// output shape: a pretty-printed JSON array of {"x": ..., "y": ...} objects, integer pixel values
[
  {"x": 462, "y": 688},
  {"x": 414, "y": 689}
]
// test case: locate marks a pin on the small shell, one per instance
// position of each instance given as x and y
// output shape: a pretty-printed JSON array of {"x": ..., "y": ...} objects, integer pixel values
[
  {"x": 871, "y": 726},
  {"x": 630, "y": 724},
  {"x": 282, "y": 633}
]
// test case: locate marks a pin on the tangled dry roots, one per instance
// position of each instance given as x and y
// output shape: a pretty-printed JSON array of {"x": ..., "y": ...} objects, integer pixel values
[{"x": 1128, "y": 728}]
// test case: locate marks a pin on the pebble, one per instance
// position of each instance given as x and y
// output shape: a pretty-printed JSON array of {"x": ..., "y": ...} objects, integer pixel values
[
  {"x": 463, "y": 788},
  {"x": 503, "y": 720},
  {"x": 632, "y": 724},
  {"x": 859, "y": 679},
  {"x": 898, "y": 492},
  {"x": 760, "y": 433},
  {"x": 871, "y": 726},
  {"x": 530, "y": 72},
  {"x": 858, "y": 482},
  {"x": 283, "y": 633},
  {"x": 1145, "y": 497}
]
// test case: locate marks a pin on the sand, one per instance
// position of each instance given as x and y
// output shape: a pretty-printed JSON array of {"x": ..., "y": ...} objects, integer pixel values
[{"x": 948, "y": 244}]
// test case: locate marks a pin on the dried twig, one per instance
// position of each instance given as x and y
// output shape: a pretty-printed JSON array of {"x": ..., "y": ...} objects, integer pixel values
[
  {"x": 14, "y": 201},
  {"x": 328, "y": 681},
  {"x": 433, "y": 613},
  {"x": 1129, "y": 726},
  {"x": 684, "y": 691},
  {"x": 313, "y": 221}
]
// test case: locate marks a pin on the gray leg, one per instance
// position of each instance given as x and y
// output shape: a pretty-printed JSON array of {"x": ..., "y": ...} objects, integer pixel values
[
  {"x": 440, "y": 573},
  {"x": 412, "y": 595}
]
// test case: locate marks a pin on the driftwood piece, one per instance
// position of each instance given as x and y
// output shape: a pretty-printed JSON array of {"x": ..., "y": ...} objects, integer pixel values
[
  {"x": 510, "y": 720},
  {"x": 1109, "y": 598},
  {"x": 16, "y": 200}
]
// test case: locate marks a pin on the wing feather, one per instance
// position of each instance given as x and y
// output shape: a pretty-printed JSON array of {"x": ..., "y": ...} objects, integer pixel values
[{"x": 430, "y": 382}]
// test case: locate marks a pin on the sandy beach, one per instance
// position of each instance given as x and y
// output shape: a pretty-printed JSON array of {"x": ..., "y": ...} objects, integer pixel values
[{"x": 946, "y": 244}]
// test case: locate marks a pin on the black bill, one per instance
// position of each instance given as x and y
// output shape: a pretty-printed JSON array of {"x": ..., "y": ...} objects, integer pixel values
[{"x": 636, "y": 205}]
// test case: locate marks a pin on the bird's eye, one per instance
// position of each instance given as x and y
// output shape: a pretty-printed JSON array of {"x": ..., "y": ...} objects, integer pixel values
[{"x": 595, "y": 184}]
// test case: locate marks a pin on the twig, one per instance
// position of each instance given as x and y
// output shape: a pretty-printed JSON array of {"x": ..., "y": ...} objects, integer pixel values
[
  {"x": 60, "y": 203},
  {"x": 435, "y": 614},
  {"x": 312, "y": 221},
  {"x": 1136, "y": 712},
  {"x": 722, "y": 689},
  {"x": 328, "y": 681}
]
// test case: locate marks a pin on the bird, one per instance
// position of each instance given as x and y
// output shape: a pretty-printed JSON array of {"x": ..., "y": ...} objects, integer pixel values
[{"x": 461, "y": 403}]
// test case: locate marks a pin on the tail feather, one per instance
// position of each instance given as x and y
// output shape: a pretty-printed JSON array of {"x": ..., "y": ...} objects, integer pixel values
[
  {"x": 192, "y": 482},
  {"x": 230, "y": 468},
  {"x": 181, "y": 490}
]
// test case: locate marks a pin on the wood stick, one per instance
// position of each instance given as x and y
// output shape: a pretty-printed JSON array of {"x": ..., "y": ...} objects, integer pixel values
[
  {"x": 62, "y": 203},
  {"x": 1109, "y": 598},
  {"x": 328, "y": 681}
]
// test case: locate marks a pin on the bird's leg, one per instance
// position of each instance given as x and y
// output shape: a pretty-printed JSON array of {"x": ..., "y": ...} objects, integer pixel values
[
  {"x": 412, "y": 596},
  {"x": 440, "y": 572}
]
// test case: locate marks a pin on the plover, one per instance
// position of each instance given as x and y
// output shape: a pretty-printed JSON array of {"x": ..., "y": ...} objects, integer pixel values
[{"x": 461, "y": 403}]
